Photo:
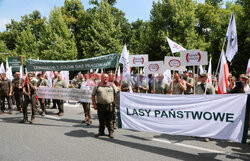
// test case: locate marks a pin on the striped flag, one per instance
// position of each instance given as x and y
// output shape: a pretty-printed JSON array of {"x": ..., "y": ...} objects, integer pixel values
[
  {"x": 209, "y": 80},
  {"x": 223, "y": 75}
]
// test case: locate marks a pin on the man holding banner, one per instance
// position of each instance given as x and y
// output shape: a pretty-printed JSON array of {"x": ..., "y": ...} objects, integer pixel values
[
  {"x": 178, "y": 85},
  {"x": 60, "y": 83}
]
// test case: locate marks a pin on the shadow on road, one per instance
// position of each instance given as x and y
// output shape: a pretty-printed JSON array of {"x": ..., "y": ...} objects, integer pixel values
[
  {"x": 160, "y": 151},
  {"x": 79, "y": 133}
]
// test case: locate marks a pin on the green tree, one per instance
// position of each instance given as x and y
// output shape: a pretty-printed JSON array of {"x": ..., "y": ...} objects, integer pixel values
[
  {"x": 26, "y": 45},
  {"x": 173, "y": 19},
  {"x": 102, "y": 36},
  {"x": 3, "y": 49},
  {"x": 73, "y": 14},
  {"x": 57, "y": 42}
]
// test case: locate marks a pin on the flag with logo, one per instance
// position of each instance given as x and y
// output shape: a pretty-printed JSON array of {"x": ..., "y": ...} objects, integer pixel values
[
  {"x": 174, "y": 46},
  {"x": 223, "y": 75},
  {"x": 232, "y": 43}
]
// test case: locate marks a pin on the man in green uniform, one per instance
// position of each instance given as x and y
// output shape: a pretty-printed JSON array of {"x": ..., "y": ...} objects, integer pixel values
[
  {"x": 87, "y": 84},
  {"x": 29, "y": 91},
  {"x": 54, "y": 79},
  {"x": 189, "y": 83},
  {"x": 204, "y": 88},
  {"x": 141, "y": 85},
  {"x": 18, "y": 91},
  {"x": 42, "y": 82},
  {"x": 105, "y": 105},
  {"x": 178, "y": 85},
  {"x": 6, "y": 92},
  {"x": 60, "y": 83},
  {"x": 161, "y": 87}
]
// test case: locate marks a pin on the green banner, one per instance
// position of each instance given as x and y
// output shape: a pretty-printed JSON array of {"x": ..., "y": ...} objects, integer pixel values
[
  {"x": 15, "y": 63},
  {"x": 101, "y": 62}
]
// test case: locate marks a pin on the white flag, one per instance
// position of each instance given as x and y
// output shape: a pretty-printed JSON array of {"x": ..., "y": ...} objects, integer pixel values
[
  {"x": 232, "y": 43},
  {"x": 124, "y": 59},
  {"x": 2, "y": 70},
  {"x": 223, "y": 75},
  {"x": 174, "y": 46},
  {"x": 141, "y": 71},
  {"x": 209, "y": 80},
  {"x": 167, "y": 76},
  {"x": 96, "y": 71},
  {"x": 201, "y": 69},
  {"x": 65, "y": 76},
  {"x": 8, "y": 71},
  {"x": 248, "y": 67}
]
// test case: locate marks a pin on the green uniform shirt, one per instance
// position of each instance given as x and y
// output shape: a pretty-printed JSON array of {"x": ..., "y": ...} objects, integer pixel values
[
  {"x": 189, "y": 89},
  {"x": 125, "y": 85},
  {"x": 105, "y": 94},
  {"x": 42, "y": 83},
  {"x": 161, "y": 87},
  {"x": 200, "y": 89},
  {"x": 16, "y": 83},
  {"x": 60, "y": 84},
  {"x": 142, "y": 83},
  {"x": 32, "y": 91},
  {"x": 5, "y": 86},
  {"x": 177, "y": 88}
]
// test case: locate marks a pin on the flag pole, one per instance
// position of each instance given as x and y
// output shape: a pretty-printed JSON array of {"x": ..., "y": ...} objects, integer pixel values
[
  {"x": 194, "y": 77},
  {"x": 220, "y": 56}
]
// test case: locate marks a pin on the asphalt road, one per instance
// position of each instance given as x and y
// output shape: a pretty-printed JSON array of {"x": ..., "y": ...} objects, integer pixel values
[{"x": 67, "y": 139}]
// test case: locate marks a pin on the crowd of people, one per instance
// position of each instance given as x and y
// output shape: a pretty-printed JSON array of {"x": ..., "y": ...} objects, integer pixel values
[{"x": 22, "y": 92}]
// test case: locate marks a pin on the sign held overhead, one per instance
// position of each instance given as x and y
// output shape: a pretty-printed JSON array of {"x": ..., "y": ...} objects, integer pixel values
[
  {"x": 193, "y": 57},
  {"x": 138, "y": 60},
  {"x": 173, "y": 63},
  {"x": 154, "y": 67}
]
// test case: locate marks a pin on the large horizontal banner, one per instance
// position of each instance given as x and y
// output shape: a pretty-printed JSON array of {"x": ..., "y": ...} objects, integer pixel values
[
  {"x": 137, "y": 60},
  {"x": 82, "y": 95},
  {"x": 101, "y": 62},
  {"x": 212, "y": 116},
  {"x": 193, "y": 57}
]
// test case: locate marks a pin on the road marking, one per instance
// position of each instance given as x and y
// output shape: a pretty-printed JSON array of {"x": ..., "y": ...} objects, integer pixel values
[
  {"x": 200, "y": 148},
  {"x": 51, "y": 117}
]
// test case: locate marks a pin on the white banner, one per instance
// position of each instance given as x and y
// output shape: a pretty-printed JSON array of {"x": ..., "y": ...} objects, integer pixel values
[
  {"x": 138, "y": 60},
  {"x": 212, "y": 116},
  {"x": 193, "y": 57},
  {"x": 173, "y": 63},
  {"x": 83, "y": 95},
  {"x": 154, "y": 67}
]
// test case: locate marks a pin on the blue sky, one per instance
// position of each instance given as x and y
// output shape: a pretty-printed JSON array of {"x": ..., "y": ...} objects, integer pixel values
[{"x": 14, "y": 9}]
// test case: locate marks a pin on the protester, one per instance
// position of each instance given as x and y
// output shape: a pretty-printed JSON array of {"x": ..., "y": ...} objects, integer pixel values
[
  {"x": 29, "y": 91},
  {"x": 161, "y": 87},
  {"x": 87, "y": 84},
  {"x": 141, "y": 85},
  {"x": 18, "y": 91},
  {"x": 6, "y": 90},
  {"x": 178, "y": 85},
  {"x": 42, "y": 83},
  {"x": 103, "y": 100},
  {"x": 239, "y": 88},
  {"x": 60, "y": 83},
  {"x": 189, "y": 82},
  {"x": 54, "y": 79},
  {"x": 203, "y": 87}
]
